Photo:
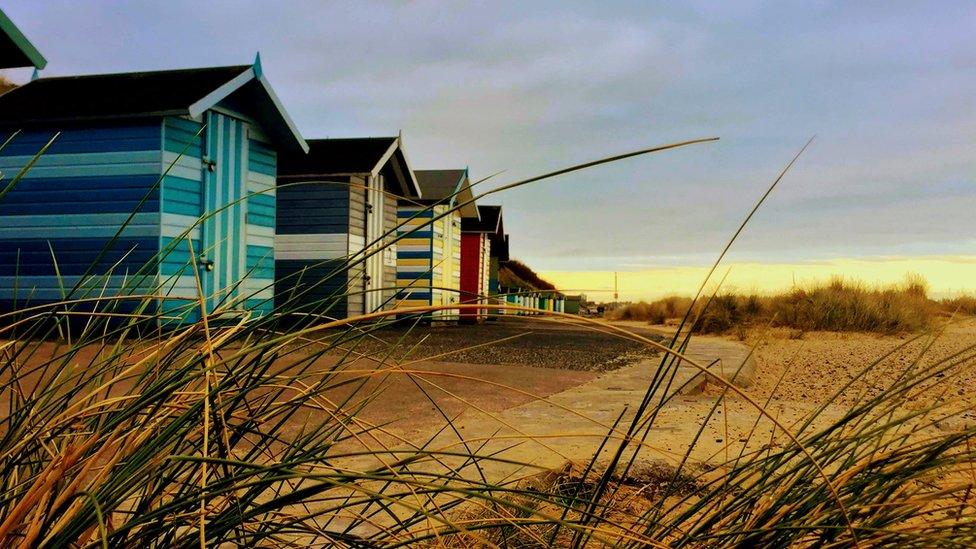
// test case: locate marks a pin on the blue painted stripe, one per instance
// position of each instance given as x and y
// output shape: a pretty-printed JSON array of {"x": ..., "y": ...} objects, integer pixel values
[
  {"x": 407, "y": 214},
  {"x": 401, "y": 254},
  {"x": 183, "y": 134},
  {"x": 127, "y": 137},
  {"x": 71, "y": 195},
  {"x": 418, "y": 234},
  {"x": 176, "y": 260},
  {"x": 414, "y": 276},
  {"x": 263, "y": 221},
  {"x": 261, "y": 158},
  {"x": 415, "y": 294},
  {"x": 182, "y": 196},
  {"x": 75, "y": 255}
]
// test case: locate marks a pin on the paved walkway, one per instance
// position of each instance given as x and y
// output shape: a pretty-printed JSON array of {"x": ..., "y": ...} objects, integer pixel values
[{"x": 571, "y": 425}]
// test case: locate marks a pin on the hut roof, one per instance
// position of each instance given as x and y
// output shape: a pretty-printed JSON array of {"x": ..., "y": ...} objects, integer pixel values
[
  {"x": 15, "y": 49},
  {"x": 189, "y": 92},
  {"x": 489, "y": 221},
  {"x": 447, "y": 186},
  {"x": 499, "y": 248},
  {"x": 353, "y": 156}
]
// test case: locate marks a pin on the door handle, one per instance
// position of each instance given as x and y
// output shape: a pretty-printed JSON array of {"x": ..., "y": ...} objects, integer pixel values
[{"x": 207, "y": 264}]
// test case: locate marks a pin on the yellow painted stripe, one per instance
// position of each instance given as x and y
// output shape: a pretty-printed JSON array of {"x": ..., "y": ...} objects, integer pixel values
[
  {"x": 413, "y": 262},
  {"x": 414, "y": 242},
  {"x": 418, "y": 284},
  {"x": 412, "y": 303}
]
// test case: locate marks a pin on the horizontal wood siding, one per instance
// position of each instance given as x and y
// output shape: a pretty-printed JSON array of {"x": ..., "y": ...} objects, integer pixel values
[
  {"x": 261, "y": 219},
  {"x": 356, "y": 301},
  {"x": 65, "y": 212},
  {"x": 312, "y": 240},
  {"x": 389, "y": 251},
  {"x": 312, "y": 287},
  {"x": 414, "y": 256},
  {"x": 181, "y": 206}
]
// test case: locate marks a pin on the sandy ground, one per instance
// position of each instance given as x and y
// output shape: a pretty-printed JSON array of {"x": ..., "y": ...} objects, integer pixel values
[{"x": 816, "y": 366}]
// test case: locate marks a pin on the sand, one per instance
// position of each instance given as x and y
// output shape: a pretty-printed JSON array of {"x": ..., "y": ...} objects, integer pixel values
[{"x": 816, "y": 366}]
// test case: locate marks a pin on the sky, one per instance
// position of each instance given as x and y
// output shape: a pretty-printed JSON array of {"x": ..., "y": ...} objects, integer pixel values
[{"x": 514, "y": 89}]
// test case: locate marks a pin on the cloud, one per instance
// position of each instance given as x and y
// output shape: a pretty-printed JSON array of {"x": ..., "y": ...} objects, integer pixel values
[{"x": 528, "y": 87}]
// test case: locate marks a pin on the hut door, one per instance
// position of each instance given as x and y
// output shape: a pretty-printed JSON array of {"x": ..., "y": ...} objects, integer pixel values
[
  {"x": 224, "y": 247},
  {"x": 374, "y": 230}
]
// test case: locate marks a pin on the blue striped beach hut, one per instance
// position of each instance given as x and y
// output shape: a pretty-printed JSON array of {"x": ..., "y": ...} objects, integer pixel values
[
  {"x": 337, "y": 216},
  {"x": 184, "y": 159},
  {"x": 429, "y": 252}
]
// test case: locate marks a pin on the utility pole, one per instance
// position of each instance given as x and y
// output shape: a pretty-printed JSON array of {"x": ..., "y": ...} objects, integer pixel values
[{"x": 615, "y": 294}]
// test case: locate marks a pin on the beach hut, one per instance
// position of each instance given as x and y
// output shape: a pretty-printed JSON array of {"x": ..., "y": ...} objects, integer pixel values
[
  {"x": 178, "y": 157},
  {"x": 337, "y": 215},
  {"x": 15, "y": 49},
  {"x": 476, "y": 259},
  {"x": 498, "y": 253},
  {"x": 573, "y": 303},
  {"x": 429, "y": 252}
]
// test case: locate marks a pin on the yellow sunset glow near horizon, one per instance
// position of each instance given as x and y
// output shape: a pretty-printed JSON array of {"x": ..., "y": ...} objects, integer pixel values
[{"x": 947, "y": 276}]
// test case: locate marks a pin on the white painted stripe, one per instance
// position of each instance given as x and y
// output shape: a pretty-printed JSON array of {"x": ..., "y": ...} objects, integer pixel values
[
  {"x": 187, "y": 167},
  {"x": 257, "y": 288},
  {"x": 404, "y": 248},
  {"x": 260, "y": 181},
  {"x": 258, "y": 235},
  {"x": 311, "y": 246},
  {"x": 174, "y": 225},
  {"x": 356, "y": 243}
]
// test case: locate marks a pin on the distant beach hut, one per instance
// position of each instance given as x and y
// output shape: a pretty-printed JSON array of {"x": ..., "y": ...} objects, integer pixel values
[
  {"x": 476, "y": 259},
  {"x": 429, "y": 252},
  {"x": 183, "y": 156},
  {"x": 573, "y": 303},
  {"x": 337, "y": 213},
  {"x": 498, "y": 253},
  {"x": 15, "y": 49}
]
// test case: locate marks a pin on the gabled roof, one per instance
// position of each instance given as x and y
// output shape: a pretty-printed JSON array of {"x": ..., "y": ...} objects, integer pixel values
[
  {"x": 189, "y": 92},
  {"x": 15, "y": 49},
  {"x": 499, "y": 248},
  {"x": 447, "y": 186},
  {"x": 353, "y": 156},
  {"x": 489, "y": 222}
]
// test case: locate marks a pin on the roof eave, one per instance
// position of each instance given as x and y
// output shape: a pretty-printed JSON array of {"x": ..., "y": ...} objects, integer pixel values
[
  {"x": 210, "y": 100},
  {"x": 23, "y": 44},
  {"x": 413, "y": 183}
]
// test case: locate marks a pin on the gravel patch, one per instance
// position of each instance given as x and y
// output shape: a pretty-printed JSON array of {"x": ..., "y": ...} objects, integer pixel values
[{"x": 530, "y": 342}]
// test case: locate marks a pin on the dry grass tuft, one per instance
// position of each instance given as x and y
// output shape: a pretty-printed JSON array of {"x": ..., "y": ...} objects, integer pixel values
[{"x": 838, "y": 305}]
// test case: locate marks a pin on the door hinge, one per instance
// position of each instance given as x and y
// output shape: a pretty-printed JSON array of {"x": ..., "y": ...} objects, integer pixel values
[
  {"x": 207, "y": 264},
  {"x": 209, "y": 164}
]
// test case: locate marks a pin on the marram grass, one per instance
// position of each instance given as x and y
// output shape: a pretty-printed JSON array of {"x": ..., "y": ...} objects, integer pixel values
[{"x": 122, "y": 427}]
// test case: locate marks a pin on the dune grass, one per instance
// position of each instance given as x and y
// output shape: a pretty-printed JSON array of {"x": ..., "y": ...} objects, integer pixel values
[
  {"x": 837, "y": 305},
  {"x": 247, "y": 431}
]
